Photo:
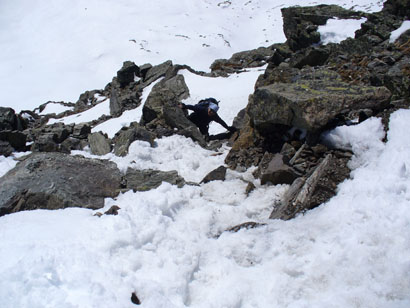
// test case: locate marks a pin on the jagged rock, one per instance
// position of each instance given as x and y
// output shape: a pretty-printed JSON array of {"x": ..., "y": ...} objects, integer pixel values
[
  {"x": 71, "y": 144},
  {"x": 127, "y": 73},
  {"x": 311, "y": 104},
  {"x": 134, "y": 299},
  {"x": 313, "y": 189},
  {"x": 81, "y": 131},
  {"x": 246, "y": 225},
  {"x": 250, "y": 188},
  {"x": 313, "y": 56},
  {"x": 175, "y": 118},
  {"x": 45, "y": 143},
  {"x": 156, "y": 72},
  {"x": 276, "y": 171},
  {"x": 245, "y": 59},
  {"x": 143, "y": 180},
  {"x": 16, "y": 139},
  {"x": 99, "y": 144},
  {"x": 5, "y": 148},
  {"x": 128, "y": 135},
  {"x": 115, "y": 103},
  {"x": 10, "y": 121},
  {"x": 167, "y": 92},
  {"x": 397, "y": 7},
  {"x": 300, "y": 24},
  {"x": 87, "y": 100},
  {"x": 218, "y": 174},
  {"x": 112, "y": 210},
  {"x": 55, "y": 181}
]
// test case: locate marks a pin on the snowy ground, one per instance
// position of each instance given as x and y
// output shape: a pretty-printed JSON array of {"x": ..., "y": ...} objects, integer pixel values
[
  {"x": 168, "y": 245},
  {"x": 56, "y": 50}
]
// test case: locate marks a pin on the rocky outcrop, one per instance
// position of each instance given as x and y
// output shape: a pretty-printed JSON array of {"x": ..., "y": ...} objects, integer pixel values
[
  {"x": 311, "y": 104},
  {"x": 168, "y": 92},
  {"x": 128, "y": 135},
  {"x": 143, "y": 180},
  {"x": 300, "y": 24},
  {"x": 99, "y": 144},
  {"x": 55, "y": 181},
  {"x": 215, "y": 175}
]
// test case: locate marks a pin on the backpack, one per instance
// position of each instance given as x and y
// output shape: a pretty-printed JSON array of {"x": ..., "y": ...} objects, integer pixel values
[{"x": 206, "y": 101}]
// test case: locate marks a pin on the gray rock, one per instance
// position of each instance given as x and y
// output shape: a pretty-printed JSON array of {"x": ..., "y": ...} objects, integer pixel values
[
  {"x": 99, "y": 144},
  {"x": 218, "y": 174},
  {"x": 45, "y": 143},
  {"x": 115, "y": 103},
  {"x": 143, "y": 180},
  {"x": 127, "y": 73},
  {"x": 81, "y": 131},
  {"x": 165, "y": 93},
  {"x": 277, "y": 172},
  {"x": 126, "y": 136},
  {"x": 157, "y": 72},
  {"x": 16, "y": 139},
  {"x": 5, "y": 148},
  {"x": 10, "y": 121},
  {"x": 311, "y": 104},
  {"x": 55, "y": 181}
]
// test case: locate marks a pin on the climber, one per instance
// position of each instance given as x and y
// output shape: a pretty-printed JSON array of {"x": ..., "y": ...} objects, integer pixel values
[{"x": 204, "y": 113}]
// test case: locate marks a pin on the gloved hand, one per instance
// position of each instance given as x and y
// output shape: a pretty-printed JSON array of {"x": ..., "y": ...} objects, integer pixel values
[{"x": 182, "y": 106}]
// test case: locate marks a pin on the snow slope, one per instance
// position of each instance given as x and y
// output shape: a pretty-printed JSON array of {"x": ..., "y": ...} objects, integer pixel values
[
  {"x": 169, "y": 245},
  {"x": 56, "y": 50}
]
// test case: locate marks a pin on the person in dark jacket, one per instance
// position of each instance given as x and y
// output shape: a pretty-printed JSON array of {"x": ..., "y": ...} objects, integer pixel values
[{"x": 203, "y": 115}]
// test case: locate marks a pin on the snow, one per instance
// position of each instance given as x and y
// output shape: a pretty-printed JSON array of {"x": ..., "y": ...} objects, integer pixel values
[
  {"x": 396, "y": 33},
  {"x": 169, "y": 245},
  {"x": 56, "y": 50},
  {"x": 331, "y": 32}
]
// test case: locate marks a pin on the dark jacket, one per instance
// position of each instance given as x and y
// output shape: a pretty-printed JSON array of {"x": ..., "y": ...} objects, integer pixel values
[{"x": 201, "y": 118}]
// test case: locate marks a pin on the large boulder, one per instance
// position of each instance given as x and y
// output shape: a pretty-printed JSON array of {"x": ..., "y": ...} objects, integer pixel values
[
  {"x": 55, "y": 181},
  {"x": 300, "y": 24},
  {"x": 167, "y": 92},
  {"x": 127, "y": 73},
  {"x": 9, "y": 120},
  {"x": 311, "y": 104},
  {"x": 99, "y": 143}
]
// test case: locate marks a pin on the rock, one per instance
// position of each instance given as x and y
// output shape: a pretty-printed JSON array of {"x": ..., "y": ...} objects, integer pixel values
[
  {"x": 277, "y": 171},
  {"x": 99, "y": 144},
  {"x": 45, "y": 143},
  {"x": 5, "y": 148},
  {"x": 311, "y": 104},
  {"x": 250, "y": 188},
  {"x": 10, "y": 121},
  {"x": 313, "y": 56},
  {"x": 16, "y": 139},
  {"x": 165, "y": 93},
  {"x": 81, "y": 131},
  {"x": 134, "y": 299},
  {"x": 127, "y": 73},
  {"x": 246, "y": 225},
  {"x": 397, "y": 7},
  {"x": 143, "y": 180},
  {"x": 156, "y": 72},
  {"x": 115, "y": 103},
  {"x": 55, "y": 181},
  {"x": 71, "y": 144},
  {"x": 128, "y": 135},
  {"x": 216, "y": 175},
  {"x": 241, "y": 60},
  {"x": 112, "y": 210},
  {"x": 313, "y": 189},
  {"x": 300, "y": 24},
  {"x": 176, "y": 119}
]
